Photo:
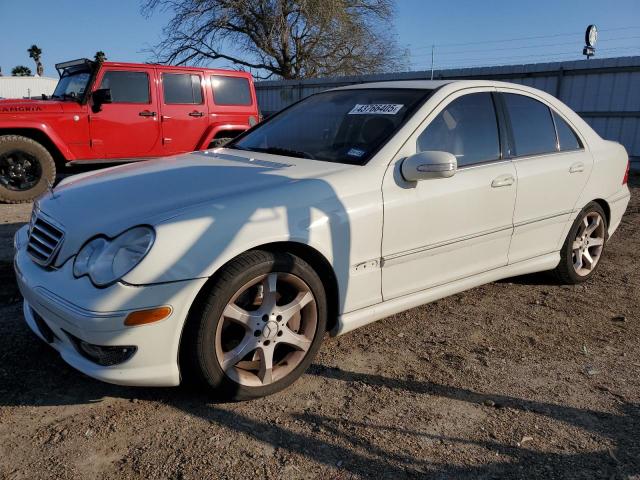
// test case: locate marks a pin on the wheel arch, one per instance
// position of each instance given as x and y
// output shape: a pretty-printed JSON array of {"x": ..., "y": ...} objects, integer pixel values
[
  {"x": 607, "y": 209},
  {"x": 40, "y": 137},
  {"x": 312, "y": 256}
]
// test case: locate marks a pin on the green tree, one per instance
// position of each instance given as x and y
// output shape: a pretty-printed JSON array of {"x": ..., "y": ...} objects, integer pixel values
[
  {"x": 36, "y": 53},
  {"x": 289, "y": 39},
  {"x": 100, "y": 56},
  {"x": 21, "y": 71}
]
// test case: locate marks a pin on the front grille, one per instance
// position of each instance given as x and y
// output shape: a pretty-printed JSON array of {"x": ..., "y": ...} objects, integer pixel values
[{"x": 45, "y": 240}]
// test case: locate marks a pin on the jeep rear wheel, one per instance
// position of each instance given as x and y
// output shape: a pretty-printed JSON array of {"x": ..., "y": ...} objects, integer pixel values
[{"x": 26, "y": 169}]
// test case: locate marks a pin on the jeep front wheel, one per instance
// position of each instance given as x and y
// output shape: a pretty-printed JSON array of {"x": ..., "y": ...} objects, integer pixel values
[{"x": 26, "y": 169}]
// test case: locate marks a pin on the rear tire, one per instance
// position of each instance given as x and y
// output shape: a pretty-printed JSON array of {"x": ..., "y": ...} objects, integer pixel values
[
  {"x": 219, "y": 142},
  {"x": 583, "y": 248},
  {"x": 257, "y": 329},
  {"x": 26, "y": 169}
]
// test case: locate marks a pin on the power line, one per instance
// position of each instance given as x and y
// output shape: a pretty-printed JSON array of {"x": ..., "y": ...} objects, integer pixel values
[
  {"x": 517, "y": 39},
  {"x": 520, "y": 47},
  {"x": 464, "y": 63}
]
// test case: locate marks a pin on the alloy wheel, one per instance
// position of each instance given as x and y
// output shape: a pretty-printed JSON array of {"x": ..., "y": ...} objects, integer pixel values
[
  {"x": 588, "y": 244},
  {"x": 266, "y": 329}
]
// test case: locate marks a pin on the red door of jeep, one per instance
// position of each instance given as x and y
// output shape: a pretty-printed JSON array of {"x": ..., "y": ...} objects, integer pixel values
[
  {"x": 128, "y": 127},
  {"x": 183, "y": 111}
]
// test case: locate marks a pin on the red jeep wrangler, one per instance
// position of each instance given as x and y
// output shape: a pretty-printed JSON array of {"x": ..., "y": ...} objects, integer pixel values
[{"x": 118, "y": 112}]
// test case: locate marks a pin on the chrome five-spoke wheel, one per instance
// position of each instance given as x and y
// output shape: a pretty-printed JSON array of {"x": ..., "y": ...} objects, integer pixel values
[
  {"x": 266, "y": 329},
  {"x": 588, "y": 244},
  {"x": 584, "y": 245},
  {"x": 258, "y": 326}
]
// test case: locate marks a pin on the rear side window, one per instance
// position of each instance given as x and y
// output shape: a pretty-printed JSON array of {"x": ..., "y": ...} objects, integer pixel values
[
  {"x": 467, "y": 128},
  {"x": 567, "y": 138},
  {"x": 181, "y": 88},
  {"x": 127, "y": 87},
  {"x": 532, "y": 125},
  {"x": 230, "y": 90}
]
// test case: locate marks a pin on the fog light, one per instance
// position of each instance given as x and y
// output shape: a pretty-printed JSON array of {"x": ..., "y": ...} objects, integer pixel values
[
  {"x": 143, "y": 317},
  {"x": 105, "y": 356}
]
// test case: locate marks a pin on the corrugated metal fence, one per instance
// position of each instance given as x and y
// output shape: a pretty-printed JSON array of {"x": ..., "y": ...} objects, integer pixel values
[
  {"x": 605, "y": 92},
  {"x": 24, "y": 87}
]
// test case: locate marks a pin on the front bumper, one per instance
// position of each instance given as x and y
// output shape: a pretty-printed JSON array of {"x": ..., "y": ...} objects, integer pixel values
[{"x": 74, "y": 306}]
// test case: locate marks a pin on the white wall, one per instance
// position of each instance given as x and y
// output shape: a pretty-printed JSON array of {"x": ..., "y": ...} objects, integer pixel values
[{"x": 21, "y": 87}]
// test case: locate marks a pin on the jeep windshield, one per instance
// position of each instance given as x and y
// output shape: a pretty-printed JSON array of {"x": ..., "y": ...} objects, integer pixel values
[
  {"x": 72, "y": 84},
  {"x": 343, "y": 126}
]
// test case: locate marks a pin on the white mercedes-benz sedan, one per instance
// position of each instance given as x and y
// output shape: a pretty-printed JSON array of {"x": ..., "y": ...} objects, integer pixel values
[{"x": 229, "y": 265}]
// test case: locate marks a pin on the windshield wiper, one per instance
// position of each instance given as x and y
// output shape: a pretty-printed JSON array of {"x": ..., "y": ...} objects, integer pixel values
[{"x": 283, "y": 151}]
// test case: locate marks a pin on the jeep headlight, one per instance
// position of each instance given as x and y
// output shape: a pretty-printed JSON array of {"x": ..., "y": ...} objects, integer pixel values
[{"x": 106, "y": 260}]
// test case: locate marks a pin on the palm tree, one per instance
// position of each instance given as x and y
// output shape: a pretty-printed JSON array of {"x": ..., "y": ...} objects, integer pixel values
[
  {"x": 21, "y": 71},
  {"x": 35, "y": 52},
  {"x": 100, "y": 56}
]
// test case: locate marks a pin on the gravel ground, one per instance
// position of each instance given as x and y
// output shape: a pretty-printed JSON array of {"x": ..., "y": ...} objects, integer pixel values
[{"x": 517, "y": 379}]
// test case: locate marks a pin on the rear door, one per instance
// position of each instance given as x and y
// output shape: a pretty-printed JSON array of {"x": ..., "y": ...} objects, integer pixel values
[
  {"x": 552, "y": 168},
  {"x": 184, "y": 110},
  {"x": 128, "y": 127}
]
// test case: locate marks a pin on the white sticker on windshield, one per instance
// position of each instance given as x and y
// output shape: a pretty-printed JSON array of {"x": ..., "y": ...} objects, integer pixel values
[
  {"x": 355, "y": 152},
  {"x": 376, "y": 109}
]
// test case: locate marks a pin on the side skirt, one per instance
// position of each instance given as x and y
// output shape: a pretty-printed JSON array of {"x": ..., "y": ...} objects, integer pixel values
[{"x": 359, "y": 318}]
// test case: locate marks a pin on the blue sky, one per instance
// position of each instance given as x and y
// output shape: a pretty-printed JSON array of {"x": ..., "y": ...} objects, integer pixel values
[{"x": 491, "y": 31}]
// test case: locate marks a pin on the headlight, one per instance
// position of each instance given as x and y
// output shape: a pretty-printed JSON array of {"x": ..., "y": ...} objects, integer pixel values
[{"x": 108, "y": 260}]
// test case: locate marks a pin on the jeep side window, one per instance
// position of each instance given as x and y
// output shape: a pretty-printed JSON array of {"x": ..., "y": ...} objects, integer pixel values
[
  {"x": 181, "y": 88},
  {"x": 127, "y": 87},
  {"x": 230, "y": 90}
]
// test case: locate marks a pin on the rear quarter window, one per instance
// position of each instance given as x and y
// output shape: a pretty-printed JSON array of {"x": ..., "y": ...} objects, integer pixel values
[{"x": 230, "y": 90}]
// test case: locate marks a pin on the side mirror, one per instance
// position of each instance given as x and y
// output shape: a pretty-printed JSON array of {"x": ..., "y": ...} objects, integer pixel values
[
  {"x": 102, "y": 95},
  {"x": 428, "y": 164}
]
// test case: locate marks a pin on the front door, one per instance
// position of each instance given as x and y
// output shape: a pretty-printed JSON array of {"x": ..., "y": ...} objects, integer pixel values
[
  {"x": 128, "y": 127},
  {"x": 552, "y": 168},
  {"x": 184, "y": 111},
  {"x": 440, "y": 230}
]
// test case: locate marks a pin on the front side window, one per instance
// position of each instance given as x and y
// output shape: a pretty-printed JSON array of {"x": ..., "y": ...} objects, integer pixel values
[
  {"x": 127, "y": 87},
  {"x": 343, "y": 126},
  {"x": 467, "y": 128},
  {"x": 532, "y": 125},
  {"x": 567, "y": 138},
  {"x": 230, "y": 90},
  {"x": 181, "y": 88}
]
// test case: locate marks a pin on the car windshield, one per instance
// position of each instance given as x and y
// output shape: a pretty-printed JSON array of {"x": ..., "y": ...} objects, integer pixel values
[
  {"x": 343, "y": 126},
  {"x": 72, "y": 85}
]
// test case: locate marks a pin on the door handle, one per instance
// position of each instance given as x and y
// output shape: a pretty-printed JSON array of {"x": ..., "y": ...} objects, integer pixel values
[
  {"x": 576, "y": 167},
  {"x": 195, "y": 113},
  {"x": 503, "y": 181},
  {"x": 147, "y": 113}
]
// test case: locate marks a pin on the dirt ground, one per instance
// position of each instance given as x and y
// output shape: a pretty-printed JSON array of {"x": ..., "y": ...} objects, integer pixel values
[{"x": 522, "y": 378}]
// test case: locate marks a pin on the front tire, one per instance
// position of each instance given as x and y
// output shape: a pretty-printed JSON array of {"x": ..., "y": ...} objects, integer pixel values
[
  {"x": 583, "y": 248},
  {"x": 26, "y": 169},
  {"x": 258, "y": 328}
]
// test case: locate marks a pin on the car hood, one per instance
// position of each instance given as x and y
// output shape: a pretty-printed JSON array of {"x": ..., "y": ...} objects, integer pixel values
[
  {"x": 111, "y": 200},
  {"x": 30, "y": 106}
]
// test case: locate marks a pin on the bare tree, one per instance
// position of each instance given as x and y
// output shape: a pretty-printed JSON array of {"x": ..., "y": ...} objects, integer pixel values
[
  {"x": 35, "y": 52},
  {"x": 21, "y": 71},
  {"x": 284, "y": 38}
]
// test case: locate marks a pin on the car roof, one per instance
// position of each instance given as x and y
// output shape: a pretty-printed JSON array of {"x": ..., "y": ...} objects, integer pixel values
[
  {"x": 177, "y": 68},
  {"x": 433, "y": 84}
]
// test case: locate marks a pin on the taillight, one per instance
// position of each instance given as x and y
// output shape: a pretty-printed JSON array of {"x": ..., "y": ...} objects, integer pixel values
[{"x": 626, "y": 173}]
